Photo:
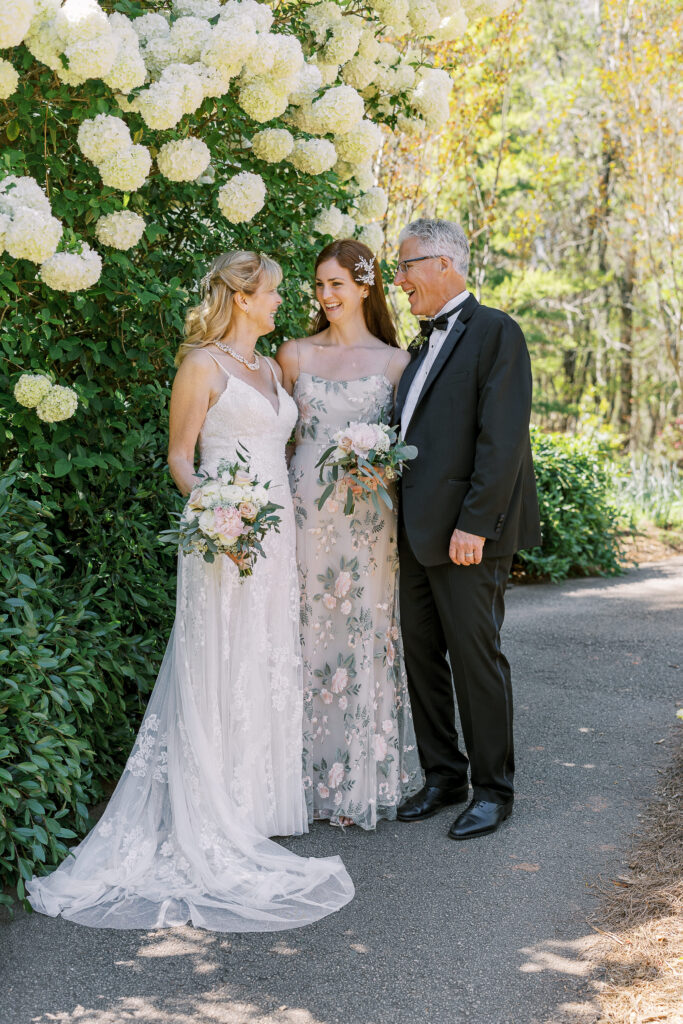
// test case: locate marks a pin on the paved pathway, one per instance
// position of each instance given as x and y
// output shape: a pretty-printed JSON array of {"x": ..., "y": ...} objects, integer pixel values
[{"x": 484, "y": 932}]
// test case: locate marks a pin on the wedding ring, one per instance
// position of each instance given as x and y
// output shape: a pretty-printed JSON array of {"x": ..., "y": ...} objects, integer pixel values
[{"x": 469, "y": 554}]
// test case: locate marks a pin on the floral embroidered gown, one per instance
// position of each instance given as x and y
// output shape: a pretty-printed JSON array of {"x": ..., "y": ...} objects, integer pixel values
[
  {"x": 360, "y": 755},
  {"x": 216, "y": 766}
]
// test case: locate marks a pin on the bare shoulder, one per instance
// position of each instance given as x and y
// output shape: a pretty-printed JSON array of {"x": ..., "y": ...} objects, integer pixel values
[
  {"x": 197, "y": 366},
  {"x": 288, "y": 352},
  {"x": 397, "y": 364}
]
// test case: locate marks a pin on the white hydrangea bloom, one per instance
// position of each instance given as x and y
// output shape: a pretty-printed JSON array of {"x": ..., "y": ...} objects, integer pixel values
[
  {"x": 343, "y": 43},
  {"x": 360, "y": 73},
  {"x": 411, "y": 125},
  {"x": 151, "y": 26},
  {"x": 78, "y": 21},
  {"x": 329, "y": 222},
  {"x": 215, "y": 81},
  {"x": 261, "y": 59},
  {"x": 197, "y": 8},
  {"x": 424, "y": 17},
  {"x": 15, "y": 18},
  {"x": 368, "y": 47},
  {"x": 394, "y": 14},
  {"x": 44, "y": 10},
  {"x": 72, "y": 272},
  {"x": 161, "y": 105},
  {"x": 262, "y": 100},
  {"x": 183, "y": 159},
  {"x": 32, "y": 234},
  {"x": 273, "y": 144},
  {"x": 45, "y": 45},
  {"x": 9, "y": 79},
  {"x": 364, "y": 176},
  {"x": 60, "y": 403},
  {"x": 241, "y": 198},
  {"x": 430, "y": 98},
  {"x": 347, "y": 227},
  {"x": 323, "y": 17},
  {"x": 372, "y": 236},
  {"x": 31, "y": 388},
  {"x": 289, "y": 57},
  {"x": 4, "y": 224},
  {"x": 128, "y": 71},
  {"x": 260, "y": 14},
  {"x": 453, "y": 20},
  {"x": 17, "y": 191},
  {"x": 100, "y": 136},
  {"x": 126, "y": 169},
  {"x": 361, "y": 143},
  {"x": 372, "y": 205},
  {"x": 329, "y": 73},
  {"x": 313, "y": 156},
  {"x": 120, "y": 230},
  {"x": 189, "y": 36},
  {"x": 387, "y": 54},
  {"x": 230, "y": 43},
  {"x": 339, "y": 109},
  {"x": 184, "y": 78},
  {"x": 90, "y": 58}
]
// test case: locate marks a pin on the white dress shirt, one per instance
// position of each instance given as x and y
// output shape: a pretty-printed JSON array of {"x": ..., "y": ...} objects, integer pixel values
[{"x": 436, "y": 340}]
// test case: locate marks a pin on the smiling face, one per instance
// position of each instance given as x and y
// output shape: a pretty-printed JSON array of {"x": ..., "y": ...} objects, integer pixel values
[
  {"x": 340, "y": 297},
  {"x": 430, "y": 283},
  {"x": 262, "y": 306}
]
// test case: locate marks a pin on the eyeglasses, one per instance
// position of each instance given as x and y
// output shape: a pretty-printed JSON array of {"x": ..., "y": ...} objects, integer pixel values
[{"x": 403, "y": 265}]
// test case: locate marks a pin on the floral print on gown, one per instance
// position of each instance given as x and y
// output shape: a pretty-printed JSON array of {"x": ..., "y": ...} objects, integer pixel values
[{"x": 360, "y": 755}]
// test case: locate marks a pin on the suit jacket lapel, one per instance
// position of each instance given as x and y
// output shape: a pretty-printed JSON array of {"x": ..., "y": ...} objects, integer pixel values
[{"x": 450, "y": 341}]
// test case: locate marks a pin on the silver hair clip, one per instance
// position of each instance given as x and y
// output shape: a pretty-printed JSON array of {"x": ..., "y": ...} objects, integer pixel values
[
  {"x": 205, "y": 284},
  {"x": 365, "y": 270}
]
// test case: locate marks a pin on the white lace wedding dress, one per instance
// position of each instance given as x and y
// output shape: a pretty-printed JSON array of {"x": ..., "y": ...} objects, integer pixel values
[{"x": 217, "y": 763}]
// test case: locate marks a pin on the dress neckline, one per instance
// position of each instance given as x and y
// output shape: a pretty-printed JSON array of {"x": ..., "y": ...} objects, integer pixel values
[
  {"x": 278, "y": 389},
  {"x": 347, "y": 380}
]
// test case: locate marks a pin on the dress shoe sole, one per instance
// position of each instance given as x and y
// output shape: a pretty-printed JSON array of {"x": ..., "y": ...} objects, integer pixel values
[
  {"x": 475, "y": 833},
  {"x": 457, "y": 798}
]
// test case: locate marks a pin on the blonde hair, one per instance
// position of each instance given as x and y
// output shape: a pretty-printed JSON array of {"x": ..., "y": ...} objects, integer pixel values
[{"x": 231, "y": 272}]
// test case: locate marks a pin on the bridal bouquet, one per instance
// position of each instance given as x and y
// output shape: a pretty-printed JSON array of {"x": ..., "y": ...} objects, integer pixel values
[
  {"x": 365, "y": 458},
  {"x": 228, "y": 514}
]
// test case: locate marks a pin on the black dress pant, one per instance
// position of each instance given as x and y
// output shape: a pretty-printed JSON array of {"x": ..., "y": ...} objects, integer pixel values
[{"x": 458, "y": 609}]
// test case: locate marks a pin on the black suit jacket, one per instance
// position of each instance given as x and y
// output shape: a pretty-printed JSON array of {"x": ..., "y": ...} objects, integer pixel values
[{"x": 474, "y": 469}]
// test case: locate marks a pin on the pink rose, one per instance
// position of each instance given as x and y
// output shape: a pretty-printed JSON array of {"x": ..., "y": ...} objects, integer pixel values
[
  {"x": 329, "y": 601},
  {"x": 227, "y": 524},
  {"x": 323, "y": 791},
  {"x": 345, "y": 607},
  {"x": 343, "y": 703},
  {"x": 338, "y": 797},
  {"x": 342, "y": 584},
  {"x": 247, "y": 510},
  {"x": 339, "y": 681},
  {"x": 363, "y": 438},
  {"x": 335, "y": 775},
  {"x": 326, "y": 696},
  {"x": 379, "y": 747}
]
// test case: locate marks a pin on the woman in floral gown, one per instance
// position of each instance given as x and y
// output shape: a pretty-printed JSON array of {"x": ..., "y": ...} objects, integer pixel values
[{"x": 360, "y": 756}]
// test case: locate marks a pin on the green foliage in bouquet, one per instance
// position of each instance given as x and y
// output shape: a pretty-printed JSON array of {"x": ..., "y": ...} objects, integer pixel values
[
  {"x": 365, "y": 471},
  {"x": 579, "y": 521}
]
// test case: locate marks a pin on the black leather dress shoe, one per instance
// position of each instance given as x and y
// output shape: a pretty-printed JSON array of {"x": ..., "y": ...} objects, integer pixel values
[
  {"x": 479, "y": 818},
  {"x": 429, "y": 800}
]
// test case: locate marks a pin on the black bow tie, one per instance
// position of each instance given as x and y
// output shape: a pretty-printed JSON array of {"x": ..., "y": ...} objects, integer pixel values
[{"x": 439, "y": 323}]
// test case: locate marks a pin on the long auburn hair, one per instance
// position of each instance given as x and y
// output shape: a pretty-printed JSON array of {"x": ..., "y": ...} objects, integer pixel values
[
  {"x": 348, "y": 253},
  {"x": 235, "y": 271}
]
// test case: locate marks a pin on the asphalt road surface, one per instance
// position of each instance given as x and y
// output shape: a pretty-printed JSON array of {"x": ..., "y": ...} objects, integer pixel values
[{"x": 489, "y": 931}]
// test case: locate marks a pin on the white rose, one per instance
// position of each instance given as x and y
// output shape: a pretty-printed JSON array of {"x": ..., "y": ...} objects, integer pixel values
[{"x": 345, "y": 607}]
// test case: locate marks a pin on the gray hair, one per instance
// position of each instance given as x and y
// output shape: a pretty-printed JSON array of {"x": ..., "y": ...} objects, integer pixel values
[{"x": 441, "y": 238}]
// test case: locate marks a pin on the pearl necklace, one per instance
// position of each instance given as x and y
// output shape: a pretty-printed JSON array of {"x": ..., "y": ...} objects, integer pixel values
[{"x": 240, "y": 359}]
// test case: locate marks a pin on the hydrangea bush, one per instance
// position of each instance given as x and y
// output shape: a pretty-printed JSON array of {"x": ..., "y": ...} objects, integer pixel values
[{"x": 140, "y": 139}]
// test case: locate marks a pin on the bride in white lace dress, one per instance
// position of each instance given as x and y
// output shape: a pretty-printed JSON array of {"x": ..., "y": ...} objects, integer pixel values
[{"x": 216, "y": 766}]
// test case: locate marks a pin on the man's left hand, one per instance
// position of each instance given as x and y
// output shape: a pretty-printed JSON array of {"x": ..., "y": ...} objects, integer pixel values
[{"x": 465, "y": 548}]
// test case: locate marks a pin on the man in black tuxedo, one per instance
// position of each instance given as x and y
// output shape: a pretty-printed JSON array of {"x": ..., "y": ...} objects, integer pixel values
[{"x": 467, "y": 503}]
